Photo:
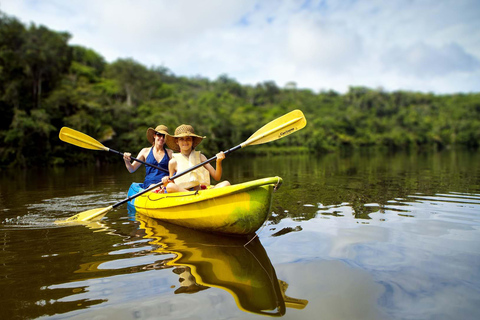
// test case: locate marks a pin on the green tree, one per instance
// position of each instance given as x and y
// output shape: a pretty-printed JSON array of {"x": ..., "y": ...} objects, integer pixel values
[
  {"x": 12, "y": 39},
  {"x": 46, "y": 57}
]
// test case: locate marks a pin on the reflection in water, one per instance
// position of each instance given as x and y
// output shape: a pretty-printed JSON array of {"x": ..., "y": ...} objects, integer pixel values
[
  {"x": 206, "y": 260},
  {"x": 375, "y": 237},
  {"x": 188, "y": 283},
  {"x": 422, "y": 249}
]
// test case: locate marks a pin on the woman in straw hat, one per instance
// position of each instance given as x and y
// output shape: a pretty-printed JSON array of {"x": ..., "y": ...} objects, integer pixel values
[
  {"x": 157, "y": 155},
  {"x": 184, "y": 142}
]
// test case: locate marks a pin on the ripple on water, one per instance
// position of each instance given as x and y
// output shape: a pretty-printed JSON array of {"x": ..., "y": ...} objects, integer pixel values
[
  {"x": 45, "y": 213},
  {"x": 422, "y": 248},
  {"x": 448, "y": 207}
]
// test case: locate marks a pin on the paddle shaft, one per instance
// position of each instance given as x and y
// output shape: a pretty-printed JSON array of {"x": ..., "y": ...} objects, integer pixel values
[
  {"x": 153, "y": 186},
  {"x": 252, "y": 140},
  {"x": 203, "y": 163},
  {"x": 82, "y": 140},
  {"x": 276, "y": 129},
  {"x": 138, "y": 160}
]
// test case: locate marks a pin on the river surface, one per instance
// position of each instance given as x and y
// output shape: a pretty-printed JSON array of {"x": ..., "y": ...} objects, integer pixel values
[{"x": 361, "y": 236}]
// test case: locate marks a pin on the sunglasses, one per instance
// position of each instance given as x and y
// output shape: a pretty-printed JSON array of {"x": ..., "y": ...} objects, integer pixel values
[{"x": 160, "y": 135}]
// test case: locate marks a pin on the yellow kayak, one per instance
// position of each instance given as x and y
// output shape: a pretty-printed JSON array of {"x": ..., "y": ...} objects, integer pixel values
[{"x": 239, "y": 209}]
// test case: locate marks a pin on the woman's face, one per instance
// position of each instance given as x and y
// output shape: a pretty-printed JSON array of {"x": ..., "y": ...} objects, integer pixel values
[{"x": 159, "y": 139}]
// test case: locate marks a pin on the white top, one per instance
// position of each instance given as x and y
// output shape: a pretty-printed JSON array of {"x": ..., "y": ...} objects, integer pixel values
[{"x": 195, "y": 177}]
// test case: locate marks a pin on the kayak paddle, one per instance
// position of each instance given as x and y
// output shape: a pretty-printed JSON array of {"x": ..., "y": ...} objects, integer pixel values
[
  {"x": 274, "y": 130},
  {"x": 84, "y": 141}
]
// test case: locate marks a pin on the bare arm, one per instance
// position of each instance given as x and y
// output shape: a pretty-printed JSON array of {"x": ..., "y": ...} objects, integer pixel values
[
  {"x": 216, "y": 174},
  {"x": 172, "y": 169},
  {"x": 133, "y": 166}
]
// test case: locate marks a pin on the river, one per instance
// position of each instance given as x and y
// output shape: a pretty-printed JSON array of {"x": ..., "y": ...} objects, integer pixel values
[{"x": 358, "y": 236}]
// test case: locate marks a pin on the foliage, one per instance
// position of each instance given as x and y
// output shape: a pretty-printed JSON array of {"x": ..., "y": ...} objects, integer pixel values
[{"x": 45, "y": 84}]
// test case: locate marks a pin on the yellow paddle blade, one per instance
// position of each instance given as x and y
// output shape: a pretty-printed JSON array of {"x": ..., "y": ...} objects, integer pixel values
[
  {"x": 278, "y": 128},
  {"x": 89, "y": 215},
  {"x": 80, "y": 139}
]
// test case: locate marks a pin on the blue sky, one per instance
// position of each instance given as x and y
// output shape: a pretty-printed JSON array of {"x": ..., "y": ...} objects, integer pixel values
[{"x": 428, "y": 46}]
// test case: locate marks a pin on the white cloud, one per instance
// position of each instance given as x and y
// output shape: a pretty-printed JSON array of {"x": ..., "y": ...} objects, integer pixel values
[
  {"x": 424, "y": 61},
  {"x": 317, "y": 44},
  {"x": 329, "y": 46}
]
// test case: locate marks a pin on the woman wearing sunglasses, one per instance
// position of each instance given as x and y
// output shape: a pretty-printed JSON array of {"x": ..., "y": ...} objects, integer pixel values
[{"x": 157, "y": 155}]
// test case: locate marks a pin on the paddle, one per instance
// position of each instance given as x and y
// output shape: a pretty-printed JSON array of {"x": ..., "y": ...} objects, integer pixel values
[
  {"x": 274, "y": 130},
  {"x": 84, "y": 141}
]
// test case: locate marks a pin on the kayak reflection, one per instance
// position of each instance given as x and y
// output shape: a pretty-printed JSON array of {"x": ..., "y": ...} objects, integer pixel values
[{"x": 206, "y": 260}]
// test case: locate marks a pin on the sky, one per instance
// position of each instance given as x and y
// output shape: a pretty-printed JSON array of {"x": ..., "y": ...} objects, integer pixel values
[{"x": 426, "y": 45}]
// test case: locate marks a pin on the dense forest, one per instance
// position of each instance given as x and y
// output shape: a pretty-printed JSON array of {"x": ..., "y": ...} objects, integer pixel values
[{"x": 46, "y": 84}]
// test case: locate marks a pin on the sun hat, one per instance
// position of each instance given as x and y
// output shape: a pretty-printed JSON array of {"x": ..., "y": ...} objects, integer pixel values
[
  {"x": 151, "y": 132},
  {"x": 184, "y": 130}
]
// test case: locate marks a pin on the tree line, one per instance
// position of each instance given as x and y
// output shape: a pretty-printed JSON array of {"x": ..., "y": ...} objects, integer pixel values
[{"x": 46, "y": 83}]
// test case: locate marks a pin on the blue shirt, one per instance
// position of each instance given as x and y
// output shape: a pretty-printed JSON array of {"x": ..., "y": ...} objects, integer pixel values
[{"x": 152, "y": 174}]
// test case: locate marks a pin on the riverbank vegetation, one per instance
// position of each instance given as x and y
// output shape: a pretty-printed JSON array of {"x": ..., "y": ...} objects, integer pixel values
[{"x": 46, "y": 83}]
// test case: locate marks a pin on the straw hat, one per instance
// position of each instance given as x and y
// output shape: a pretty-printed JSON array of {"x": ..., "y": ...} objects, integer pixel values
[
  {"x": 151, "y": 132},
  {"x": 184, "y": 130}
]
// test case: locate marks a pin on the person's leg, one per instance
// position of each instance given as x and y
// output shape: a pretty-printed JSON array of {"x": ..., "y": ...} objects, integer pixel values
[
  {"x": 172, "y": 187},
  {"x": 222, "y": 184}
]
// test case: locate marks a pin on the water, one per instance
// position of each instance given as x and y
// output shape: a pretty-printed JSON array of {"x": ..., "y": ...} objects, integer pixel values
[{"x": 363, "y": 236}]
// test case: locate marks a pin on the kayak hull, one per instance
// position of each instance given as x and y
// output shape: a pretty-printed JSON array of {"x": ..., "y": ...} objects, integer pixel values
[{"x": 238, "y": 209}]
